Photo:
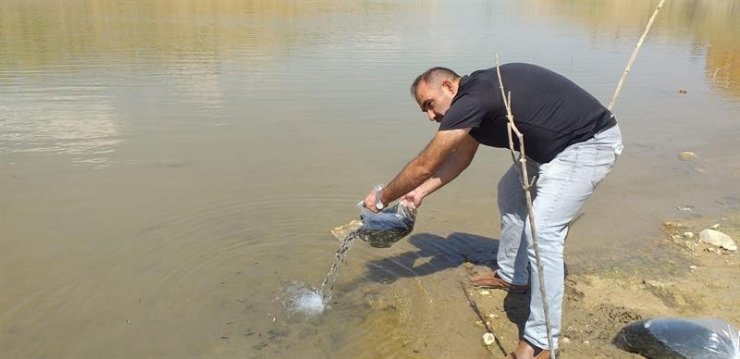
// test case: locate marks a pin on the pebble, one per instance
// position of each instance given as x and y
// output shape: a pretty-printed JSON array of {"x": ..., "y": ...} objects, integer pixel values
[
  {"x": 586, "y": 342},
  {"x": 669, "y": 224},
  {"x": 485, "y": 292},
  {"x": 717, "y": 238},
  {"x": 688, "y": 234},
  {"x": 683, "y": 91},
  {"x": 565, "y": 340},
  {"x": 687, "y": 156},
  {"x": 692, "y": 267},
  {"x": 488, "y": 339},
  {"x": 715, "y": 226}
]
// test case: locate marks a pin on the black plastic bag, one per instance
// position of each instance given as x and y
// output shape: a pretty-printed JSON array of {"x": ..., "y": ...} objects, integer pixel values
[
  {"x": 388, "y": 226},
  {"x": 680, "y": 338}
]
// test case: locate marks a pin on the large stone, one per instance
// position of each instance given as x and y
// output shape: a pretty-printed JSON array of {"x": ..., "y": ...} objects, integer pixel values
[{"x": 717, "y": 238}]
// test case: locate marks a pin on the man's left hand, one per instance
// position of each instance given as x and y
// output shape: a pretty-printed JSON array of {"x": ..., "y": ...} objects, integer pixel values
[{"x": 369, "y": 201}]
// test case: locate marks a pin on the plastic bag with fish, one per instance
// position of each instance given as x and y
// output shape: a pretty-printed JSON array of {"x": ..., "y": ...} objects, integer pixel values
[
  {"x": 388, "y": 226},
  {"x": 663, "y": 338}
]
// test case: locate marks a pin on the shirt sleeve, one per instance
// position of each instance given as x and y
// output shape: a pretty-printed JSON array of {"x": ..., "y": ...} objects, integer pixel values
[{"x": 465, "y": 112}]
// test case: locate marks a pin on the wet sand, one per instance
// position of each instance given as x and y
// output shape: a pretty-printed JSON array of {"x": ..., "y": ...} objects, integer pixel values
[{"x": 697, "y": 280}]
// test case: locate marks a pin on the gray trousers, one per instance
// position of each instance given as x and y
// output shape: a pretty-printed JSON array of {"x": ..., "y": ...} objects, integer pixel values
[{"x": 562, "y": 187}]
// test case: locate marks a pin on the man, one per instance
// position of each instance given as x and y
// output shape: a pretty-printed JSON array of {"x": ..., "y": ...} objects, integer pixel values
[{"x": 571, "y": 143}]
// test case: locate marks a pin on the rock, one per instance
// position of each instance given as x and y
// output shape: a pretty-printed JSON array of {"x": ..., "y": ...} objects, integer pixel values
[
  {"x": 488, "y": 339},
  {"x": 688, "y": 234},
  {"x": 682, "y": 91},
  {"x": 715, "y": 226},
  {"x": 670, "y": 225},
  {"x": 687, "y": 156},
  {"x": 485, "y": 292},
  {"x": 692, "y": 267},
  {"x": 565, "y": 340},
  {"x": 717, "y": 238}
]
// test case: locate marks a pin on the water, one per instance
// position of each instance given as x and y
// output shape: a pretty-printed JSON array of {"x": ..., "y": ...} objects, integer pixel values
[
  {"x": 327, "y": 286},
  {"x": 306, "y": 300},
  {"x": 302, "y": 299},
  {"x": 166, "y": 167}
]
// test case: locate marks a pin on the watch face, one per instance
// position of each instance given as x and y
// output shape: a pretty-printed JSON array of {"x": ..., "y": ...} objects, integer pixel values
[{"x": 379, "y": 205}]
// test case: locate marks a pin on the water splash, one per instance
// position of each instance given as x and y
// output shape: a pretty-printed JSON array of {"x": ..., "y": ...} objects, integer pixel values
[{"x": 302, "y": 299}]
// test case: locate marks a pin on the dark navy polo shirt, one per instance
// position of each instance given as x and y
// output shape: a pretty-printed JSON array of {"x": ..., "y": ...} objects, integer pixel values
[{"x": 551, "y": 111}]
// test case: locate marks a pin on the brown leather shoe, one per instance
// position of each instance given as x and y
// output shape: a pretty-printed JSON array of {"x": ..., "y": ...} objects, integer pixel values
[
  {"x": 545, "y": 354},
  {"x": 524, "y": 350},
  {"x": 488, "y": 281}
]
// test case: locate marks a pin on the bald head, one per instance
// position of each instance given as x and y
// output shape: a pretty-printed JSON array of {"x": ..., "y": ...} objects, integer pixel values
[{"x": 434, "y": 78}]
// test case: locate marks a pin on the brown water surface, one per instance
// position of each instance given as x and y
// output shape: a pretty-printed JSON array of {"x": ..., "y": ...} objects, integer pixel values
[{"x": 169, "y": 168}]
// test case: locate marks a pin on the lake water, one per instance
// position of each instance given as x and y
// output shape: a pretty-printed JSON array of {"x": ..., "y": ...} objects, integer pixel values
[{"x": 170, "y": 170}]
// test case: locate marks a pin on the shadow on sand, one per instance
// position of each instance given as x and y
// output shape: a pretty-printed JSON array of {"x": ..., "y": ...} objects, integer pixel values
[{"x": 435, "y": 253}]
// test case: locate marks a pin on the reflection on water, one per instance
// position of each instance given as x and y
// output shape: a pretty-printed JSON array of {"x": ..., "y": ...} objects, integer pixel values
[
  {"x": 168, "y": 166},
  {"x": 73, "y": 119},
  {"x": 38, "y": 32},
  {"x": 711, "y": 26},
  {"x": 181, "y": 47}
]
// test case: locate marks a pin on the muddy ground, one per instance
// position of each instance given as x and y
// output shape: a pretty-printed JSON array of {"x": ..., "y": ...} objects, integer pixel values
[{"x": 696, "y": 280}]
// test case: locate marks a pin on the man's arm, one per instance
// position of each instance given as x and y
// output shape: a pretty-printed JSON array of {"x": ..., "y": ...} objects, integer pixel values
[
  {"x": 449, "y": 170},
  {"x": 423, "y": 166}
]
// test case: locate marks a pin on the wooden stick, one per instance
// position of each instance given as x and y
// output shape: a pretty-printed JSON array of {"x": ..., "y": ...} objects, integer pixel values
[
  {"x": 483, "y": 319},
  {"x": 527, "y": 186},
  {"x": 634, "y": 55}
]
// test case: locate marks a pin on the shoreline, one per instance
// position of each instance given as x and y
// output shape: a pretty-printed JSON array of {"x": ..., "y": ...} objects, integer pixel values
[{"x": 693, "y": 280}]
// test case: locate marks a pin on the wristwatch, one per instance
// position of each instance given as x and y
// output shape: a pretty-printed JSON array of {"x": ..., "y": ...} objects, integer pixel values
[{"x": 378, "y": 203}]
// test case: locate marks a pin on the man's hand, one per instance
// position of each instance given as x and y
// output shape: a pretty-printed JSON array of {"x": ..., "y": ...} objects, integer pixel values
[
  {"x": 369, "y": 201},
  {"x": 413, "y": 198}
]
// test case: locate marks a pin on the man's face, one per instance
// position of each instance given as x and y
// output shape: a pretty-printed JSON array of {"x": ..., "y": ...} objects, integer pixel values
[{"x": 435, "y": 101}]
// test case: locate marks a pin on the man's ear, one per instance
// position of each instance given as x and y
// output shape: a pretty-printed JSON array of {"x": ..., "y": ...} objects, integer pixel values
[{"x": 448, "y": 85}]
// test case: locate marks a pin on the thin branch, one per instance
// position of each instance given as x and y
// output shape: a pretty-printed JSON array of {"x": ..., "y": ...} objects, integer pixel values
[
  {"x": 527, "y": 186},
  {"x": 483, "y": 319},
  {"x": 634, "y": 55}
]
